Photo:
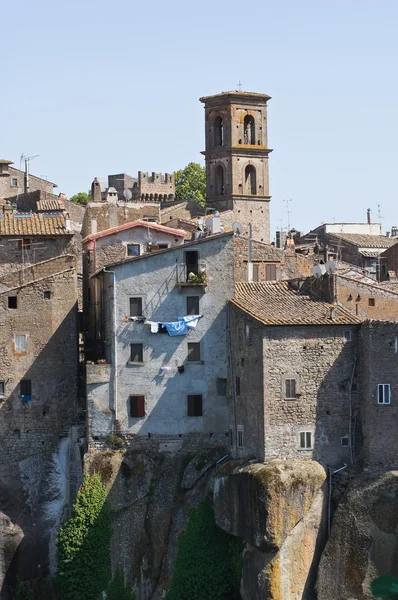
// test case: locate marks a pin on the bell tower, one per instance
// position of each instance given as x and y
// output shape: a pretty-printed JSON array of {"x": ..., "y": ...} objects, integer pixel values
[{"x": 237, "y": 158}]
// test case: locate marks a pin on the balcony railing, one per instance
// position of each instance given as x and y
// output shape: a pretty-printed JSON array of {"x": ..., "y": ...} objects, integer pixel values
[{"x": 194, "y": 274}]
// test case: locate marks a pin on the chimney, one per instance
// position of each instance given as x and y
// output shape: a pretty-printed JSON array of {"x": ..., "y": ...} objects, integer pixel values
[
  {"x": 93, "y": 225},
  {"x": 332, "y": 314},
  {"x": 369, "y": 216}
]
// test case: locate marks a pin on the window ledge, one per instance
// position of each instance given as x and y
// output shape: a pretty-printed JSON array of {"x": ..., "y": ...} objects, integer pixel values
[
  {"x": 195, "y": 362},
  {"x": 132, "y": 363}
]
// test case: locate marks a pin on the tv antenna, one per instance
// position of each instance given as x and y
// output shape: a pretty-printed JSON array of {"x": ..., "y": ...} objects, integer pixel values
[
  {"x": 288, "y": 212},
  {"x": 27, "y": 160}
]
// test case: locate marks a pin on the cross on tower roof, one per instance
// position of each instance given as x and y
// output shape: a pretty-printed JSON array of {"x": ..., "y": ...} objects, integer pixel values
[{"x": 240, "y": 85}]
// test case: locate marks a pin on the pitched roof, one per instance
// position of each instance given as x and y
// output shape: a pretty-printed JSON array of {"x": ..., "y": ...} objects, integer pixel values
[
  {"x": 32, "y": 224},
  {"x": 277, "y": 304},
  {"x": 364, "y": 240},
  {"x": 138, "y": 223},
  {"x": 49, "y": 204}
]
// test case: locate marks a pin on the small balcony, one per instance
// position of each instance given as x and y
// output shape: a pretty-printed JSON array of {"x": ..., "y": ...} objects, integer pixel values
[{"x": 191, "y": 274}]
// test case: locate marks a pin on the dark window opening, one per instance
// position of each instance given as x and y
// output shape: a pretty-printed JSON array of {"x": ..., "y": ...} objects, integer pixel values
[
  {"x": 306, "y": 440},
  {"x": 136, "y": 353},
  {"x": 220, "y": 185},
  {"x": 195, "y": 405},
  {"x": 372, "y": 302},
  {"x": 194, "y": 352},
  {"x": 218, "y": 132},
  {"x": 193, "y": 305},
  {"x": 47, "y": 295},
  {"x": 237, "y": 386},
  {"x": 240, "y": 438},
  {"x": 2, "y": 388},
  {"x": 250, "y": 180},
  {"x": 137, "y": 406},
  {"x": 256, "y": 276},
  {"x": 24, "y": 244},
  {"x": 12, "y": 302},
  {"x": 270, "y": 272},
  {"x": 192, "y": 262},
  {"x": 249, "y": 130},
  {"x": 163, "y": 246},
  {"x": 290, "y": 389},
  {"x": 221, "y": 386},
  {"x": 26, "y": 387},
  {"x": 135, "y": 307},
  {"x": 133, "y": 249}
]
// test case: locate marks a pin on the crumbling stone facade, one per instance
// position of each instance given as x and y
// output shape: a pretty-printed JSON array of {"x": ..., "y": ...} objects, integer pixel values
[{"x": 13, "y": 181}]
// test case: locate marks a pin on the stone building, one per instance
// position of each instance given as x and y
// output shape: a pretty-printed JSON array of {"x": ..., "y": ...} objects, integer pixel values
[
  {"x": 155, "y": 187},
  {"x": 294, "y": 375},
  {"x": 38, "y": 403},
  {"x": 14, "y": 182},
  {"x": 237, "y": 158},
  {"x": 159, "y": 388}
]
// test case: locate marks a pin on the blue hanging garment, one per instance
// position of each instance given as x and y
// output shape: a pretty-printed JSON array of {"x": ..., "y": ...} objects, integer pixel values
[
  {"x": 176, "y": 328},
  {"x": 190, "y": 320}
]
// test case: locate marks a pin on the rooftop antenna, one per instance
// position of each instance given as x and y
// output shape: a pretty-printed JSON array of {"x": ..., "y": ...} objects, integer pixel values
[
  {"x": 27, "y": 159},
  {"x": 240, "y": 85},
  {"x": 288, "y": 211}
]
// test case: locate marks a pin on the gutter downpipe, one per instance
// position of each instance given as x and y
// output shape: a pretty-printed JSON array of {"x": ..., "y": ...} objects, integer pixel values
[
  {"x": 114, "y": 346},
  {"x": 235, "y": 442},
  {"x": 331, "y": 473}
]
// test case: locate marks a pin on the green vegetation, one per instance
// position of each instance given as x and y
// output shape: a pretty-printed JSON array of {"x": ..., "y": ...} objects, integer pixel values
[
  {"x": 117, "y": 590},
  {"x": 82, "y": 198},
  {"x": 83, "y": 544},
  {"x": 191, "y": 183},
  {"x": 209, "y": 561},
  {"x": 116, "y": 442}
]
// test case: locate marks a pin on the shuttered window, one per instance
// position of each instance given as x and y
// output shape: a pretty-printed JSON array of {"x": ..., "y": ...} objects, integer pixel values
[
  {"x": 270, "y": 272},
  {"x": 137, "y": 406},
  {"x": 194, "y": 352},
  {"x": 306, "y": 440},
  {"x": 192, "y": 305},
  {"x": 195, "y": 405},
  {"x": 383, "y": 393},
  {"x": 26, "y": 387}
]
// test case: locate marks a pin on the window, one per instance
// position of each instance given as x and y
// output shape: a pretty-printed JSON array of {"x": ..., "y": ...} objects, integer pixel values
[
  {"x": 133, "y": 249},
  {"x": 136, "y": 353},
  {"x": 250, "y": 180},
  {"x": 195, "y": 405},
  {"x": 247, "y": 334},
  {"x": 240, "y": 436},
  {"x": 21, "y": 342},
  {"x": 137, "y": 406},
  {"x": 220, "y": 180},
  {"x": 24, "y": 244},
  {"x": 194, "y": 352},
  {"x": 256, "y": 272},
  {"x": 347, "y": 335},
  {"x": 270, "y": 272},
  {"x": 163, "y": 246},
  {"x": 248, "y": 130},
  {"x": 14, "y": 182},
  {"x": 221, "y": 386},
  {"x": 237, "y": 386},
  {"x": 2, "y": 388},
  {"x": 290, "y": 389},
  {"x": 305, "y": 440},
  {"x": 135, "y": 307},
  {"x": 383, "y": 393},
  {"x": 193, "y": 305},
  {"x": 12, "y": 302},
  {"x": 345, "y": 441},
  {"x": 218, "y": 132},
  {"x": 25, "y": 387},
  {"x": 371, "y": 302},
  {"x": 47, "y": 295}
]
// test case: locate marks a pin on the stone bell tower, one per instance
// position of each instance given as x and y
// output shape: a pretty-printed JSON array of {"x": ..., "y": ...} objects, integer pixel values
[{"x": 237, "y": 158}]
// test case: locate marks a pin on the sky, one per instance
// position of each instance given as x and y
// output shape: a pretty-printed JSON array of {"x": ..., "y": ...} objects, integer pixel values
[{"x": 96, "y": 88}]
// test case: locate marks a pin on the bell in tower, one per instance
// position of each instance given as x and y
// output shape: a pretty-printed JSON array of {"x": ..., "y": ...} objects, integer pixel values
[{"x": 237, "y": 158}]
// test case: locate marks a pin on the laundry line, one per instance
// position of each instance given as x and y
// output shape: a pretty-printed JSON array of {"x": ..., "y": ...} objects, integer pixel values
[{"x": 173, "y": 328}]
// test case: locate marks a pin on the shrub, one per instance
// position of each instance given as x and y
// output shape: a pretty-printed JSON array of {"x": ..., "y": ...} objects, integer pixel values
[
  {"x": 83, "y": 544},
  {"x": 117, "y": 590},
  {"x": 209, "y": 561}
]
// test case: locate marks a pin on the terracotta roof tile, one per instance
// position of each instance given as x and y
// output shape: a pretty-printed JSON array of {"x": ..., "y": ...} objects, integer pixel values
[
  {"x": 277, "y": 304},
  {"x": 365, "y": 241},
  {"x": 32, "y": 224},
  {"x": 131, "y": 225},
  {"x": 49, "y": 204}
]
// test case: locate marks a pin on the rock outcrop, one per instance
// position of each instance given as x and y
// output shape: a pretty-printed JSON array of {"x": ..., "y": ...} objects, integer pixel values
[
  {"x": 278, "y": 509},
  {"x": 364, "y": 538}
]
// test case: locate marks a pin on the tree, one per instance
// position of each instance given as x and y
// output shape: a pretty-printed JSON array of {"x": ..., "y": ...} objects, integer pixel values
[
  {"x": 191, "y": 183},
  {"x": 81, "y": 198}
]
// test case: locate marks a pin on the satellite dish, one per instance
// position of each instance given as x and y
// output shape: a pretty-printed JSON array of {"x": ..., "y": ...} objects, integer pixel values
[
  {"x": 331, "y": 266},
  {"x": 318, "y": 271},
  {"x": 127, "y": 194},
  {"x": 237, "y": 228}
]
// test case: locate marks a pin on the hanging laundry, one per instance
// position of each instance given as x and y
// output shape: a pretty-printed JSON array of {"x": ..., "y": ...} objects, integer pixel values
[
  {"x": 176, "y": 328},
  {"x": 191, "y": 320},
  {"x": 135, "y": 319},
  {"x": 154, "y": 327}
]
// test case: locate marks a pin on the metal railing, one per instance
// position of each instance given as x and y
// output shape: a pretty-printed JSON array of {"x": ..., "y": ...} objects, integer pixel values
[{"x": 191, "y": 274}]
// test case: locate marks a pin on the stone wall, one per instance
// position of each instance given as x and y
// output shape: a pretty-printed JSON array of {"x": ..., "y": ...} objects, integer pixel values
[
  {"x": 367, "y": 300},
  {"x": 7, "y": 190},
  {"x": 110, "y": 215},
  {"x": 42, "y": 248},
  {"x": 322, "y": 362}
]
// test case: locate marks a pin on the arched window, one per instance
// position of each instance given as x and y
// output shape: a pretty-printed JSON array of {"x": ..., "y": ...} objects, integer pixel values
[
  {"x": 218, "y": 132},
  {"x": 219, "y": 180},
  {"x": 250, "y": 180},
  {"x": 248, "y": 130}
]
